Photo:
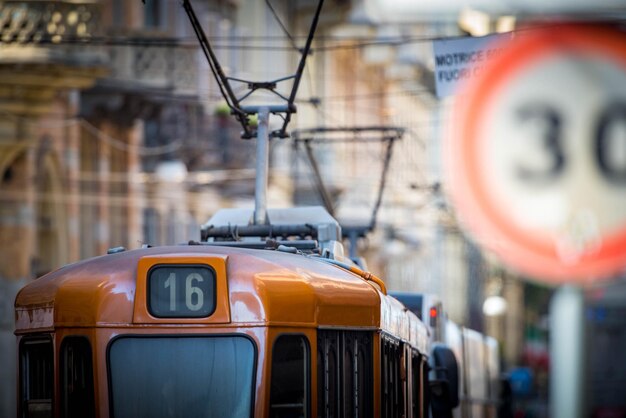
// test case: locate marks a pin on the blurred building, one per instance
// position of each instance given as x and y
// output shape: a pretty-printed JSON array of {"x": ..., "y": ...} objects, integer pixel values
[
  {"x": 39, "y": 150},
  {"x": 110, "y": 135},
  {"x": 113, "y": 133}
]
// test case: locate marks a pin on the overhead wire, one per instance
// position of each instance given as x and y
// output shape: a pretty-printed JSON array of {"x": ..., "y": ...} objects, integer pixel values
[
  {"x": 182, "y": 43},
  {"x": 345, "y": 42},
  {"x": 282, "y": 26},
  {"x": 294, "y": 46},
  {"x": 109, "y": 199},
  {"x": 123, "y": 146},
  {"x": 99, "y": 134},
  {"x": 315, "y": 101},
  {"x": 377, "y": 95},
  {"x": 199, "y": 35}
]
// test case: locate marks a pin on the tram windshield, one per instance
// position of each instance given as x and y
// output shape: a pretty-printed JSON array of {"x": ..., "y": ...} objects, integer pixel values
[{"x": 181, "y": 376}]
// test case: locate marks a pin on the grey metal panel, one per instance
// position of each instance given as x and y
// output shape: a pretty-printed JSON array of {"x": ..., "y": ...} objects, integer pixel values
[
  {"x": 234, "y": 217},
  {"x": 313, "y": 215},
  {"x": 307, "y": 214}
]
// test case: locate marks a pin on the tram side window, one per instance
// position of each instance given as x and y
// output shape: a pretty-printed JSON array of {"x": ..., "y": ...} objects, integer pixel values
[
  {"x": 344, "y": 374},
  {"x": 349, "y": 392},
  {"x": 289, "y": 396},
  {"x": 77, "y": 395},
  {"x": 416, "y": 368},
  {"x": 327, "y": 374},
  {"x": 363, "y": 385},
  {"x": 425, "y": 393},
  {"x": 36, "y": 378},
  {"x": 392, "y": 387}
]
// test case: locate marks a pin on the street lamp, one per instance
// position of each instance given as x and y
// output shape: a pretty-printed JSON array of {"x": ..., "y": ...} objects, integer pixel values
[
  {"x": 494, "y": 306},
  {"x": 172, "y": 171}
]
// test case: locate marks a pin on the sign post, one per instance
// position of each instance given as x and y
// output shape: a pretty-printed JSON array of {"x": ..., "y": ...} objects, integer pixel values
[{"x": 567, "y": 353}]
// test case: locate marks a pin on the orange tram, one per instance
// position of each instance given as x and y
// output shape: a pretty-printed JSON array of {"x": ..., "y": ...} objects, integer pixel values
[{"x": 222, "y": 329}]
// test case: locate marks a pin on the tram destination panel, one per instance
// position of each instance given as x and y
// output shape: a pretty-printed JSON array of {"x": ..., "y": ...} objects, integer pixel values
[{"x": 186, "y": 291}]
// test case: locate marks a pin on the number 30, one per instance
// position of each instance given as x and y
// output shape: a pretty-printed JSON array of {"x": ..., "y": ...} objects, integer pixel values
[{"x": 553, "y": 143}]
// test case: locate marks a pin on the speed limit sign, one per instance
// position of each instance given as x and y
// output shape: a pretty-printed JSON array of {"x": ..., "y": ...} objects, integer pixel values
[{"x": 537, "y": 161}]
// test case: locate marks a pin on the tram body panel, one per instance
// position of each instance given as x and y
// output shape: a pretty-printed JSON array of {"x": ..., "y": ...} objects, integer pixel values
[
  {"x": 454, "y": 339},
  {"x": 99, "y": 290},
  {"x": 477, "y": 356},
  {"x": 260, "y": 286},
  {"x": 476, "y": 370}
]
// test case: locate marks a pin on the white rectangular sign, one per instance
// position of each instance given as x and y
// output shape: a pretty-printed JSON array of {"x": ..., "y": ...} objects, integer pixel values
[{"x": 459, "y": 60}]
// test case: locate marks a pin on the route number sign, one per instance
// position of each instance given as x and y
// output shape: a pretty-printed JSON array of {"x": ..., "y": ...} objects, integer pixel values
[
  {"x": 537, "y": 163},
  {"x": 181, "y": 291}
]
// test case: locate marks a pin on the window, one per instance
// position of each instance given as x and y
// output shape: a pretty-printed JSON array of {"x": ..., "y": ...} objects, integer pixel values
[
  {"x": 182, "y": 376},
  {"x": 416, "y": 377},
  {"x": 77, "y": 394},
  {"x": 426, "y": 390},
  {"x": 392, "y": 384},
  {"x": 289, "y": 395},
  {"x": 364, "y": 383},
  {"x": 327, "y": 374},
  {"x": 344, "y": 374},
  {"x": 117, "y": 8},
  {"x": 153, "y": 14},
  {"x": 349, "y": 391},
  {"x": 36, "y": 378}
]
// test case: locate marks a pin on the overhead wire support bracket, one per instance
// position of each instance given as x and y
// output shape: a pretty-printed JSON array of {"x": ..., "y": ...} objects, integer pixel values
[
  {"x": 387, "y": 134},
  {"x": 240, "y": 112}
]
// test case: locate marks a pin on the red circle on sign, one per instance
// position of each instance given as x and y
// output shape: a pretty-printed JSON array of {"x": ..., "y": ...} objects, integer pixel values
[{"x": 533, "y": 254}]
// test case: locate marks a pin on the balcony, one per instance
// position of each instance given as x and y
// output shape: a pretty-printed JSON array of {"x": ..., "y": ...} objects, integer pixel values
[
  {"x": 42, "y": 51},
  {"x": 70, "y": 34},
  {"x": 150, "y": 64},
  {"x": 44, "y": 32}
]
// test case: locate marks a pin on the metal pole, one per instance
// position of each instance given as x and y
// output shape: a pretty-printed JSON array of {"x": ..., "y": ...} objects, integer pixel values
[
  {"x": 567, "y": 339},
  {"x": 317, "y": 176},
  {"x": 262, "y": 166}
]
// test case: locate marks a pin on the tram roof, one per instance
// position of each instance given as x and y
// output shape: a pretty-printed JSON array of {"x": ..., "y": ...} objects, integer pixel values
[{"x": 264, "y": 288}]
